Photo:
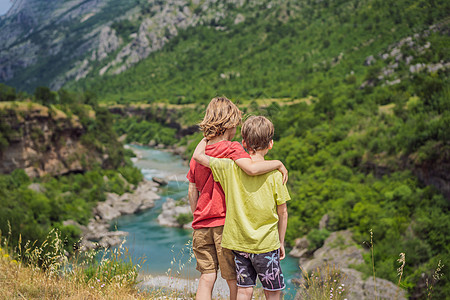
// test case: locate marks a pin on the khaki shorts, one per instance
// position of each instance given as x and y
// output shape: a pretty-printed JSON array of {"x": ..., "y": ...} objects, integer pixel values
[{"x": 210, "y": 255}]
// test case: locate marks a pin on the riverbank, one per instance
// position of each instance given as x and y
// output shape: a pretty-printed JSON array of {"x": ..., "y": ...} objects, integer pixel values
[{"x": 176, "y": 286}]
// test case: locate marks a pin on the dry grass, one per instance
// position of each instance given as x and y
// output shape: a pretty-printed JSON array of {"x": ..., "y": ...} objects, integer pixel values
[
  {"x": 323, "y": 283},
  {"x": 18, "y": 281},
  {"x": 45, "y": 272}
]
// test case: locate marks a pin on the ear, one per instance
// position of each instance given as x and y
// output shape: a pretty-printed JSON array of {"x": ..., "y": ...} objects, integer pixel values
[
  {"x": 270, "y": 144},
  {"x": 244, "y": 144}
]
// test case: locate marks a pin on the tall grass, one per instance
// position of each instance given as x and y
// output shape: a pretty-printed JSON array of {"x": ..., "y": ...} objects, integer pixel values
[
  {"x": 45, "y": 271},
  {"x": 437, "y": 275},
  {"x": 402, "y": 261},
  {"x": 323, "y": 283}
]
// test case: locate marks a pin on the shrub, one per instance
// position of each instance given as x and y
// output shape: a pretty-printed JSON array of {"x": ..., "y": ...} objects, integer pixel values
[
  {"x": 316, "y": 238},
  {"x": 184, "y": 219}
]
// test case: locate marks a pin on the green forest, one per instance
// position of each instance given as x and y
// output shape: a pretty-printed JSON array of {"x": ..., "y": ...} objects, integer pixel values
[{"x": 359, "y": 94}]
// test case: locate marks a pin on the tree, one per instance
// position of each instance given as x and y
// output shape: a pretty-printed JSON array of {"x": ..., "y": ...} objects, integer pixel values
[
  {"x": 44, "y": 95},
  {"x": 7, "y": 93}
]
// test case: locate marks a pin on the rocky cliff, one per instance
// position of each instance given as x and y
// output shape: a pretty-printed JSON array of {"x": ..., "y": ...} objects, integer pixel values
[
  {"x": 43, "y": 140},
  {"x": 50, "y": 43}
]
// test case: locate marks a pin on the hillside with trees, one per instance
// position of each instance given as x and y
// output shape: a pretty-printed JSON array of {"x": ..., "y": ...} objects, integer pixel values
[{"x": 359, "y": 95}]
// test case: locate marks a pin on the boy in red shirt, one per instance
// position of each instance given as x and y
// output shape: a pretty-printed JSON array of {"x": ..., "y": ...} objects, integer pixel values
[{"x": 207, "y": 199}]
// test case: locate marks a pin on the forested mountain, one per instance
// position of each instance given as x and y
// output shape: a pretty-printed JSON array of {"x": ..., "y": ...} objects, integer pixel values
[
  {"x": 358, "y": 92},
  {"x": 52, "y": 42}
]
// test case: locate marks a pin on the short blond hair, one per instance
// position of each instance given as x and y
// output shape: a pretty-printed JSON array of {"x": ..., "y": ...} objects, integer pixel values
[
  {"x": 221, "y": 114},
  {"x": 257, "y": 132}
]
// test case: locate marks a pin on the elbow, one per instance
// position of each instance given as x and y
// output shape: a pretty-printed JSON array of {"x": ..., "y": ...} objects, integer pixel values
[
  {"x": 251, "y": 172},
  {"x": 197, "y": 158}
]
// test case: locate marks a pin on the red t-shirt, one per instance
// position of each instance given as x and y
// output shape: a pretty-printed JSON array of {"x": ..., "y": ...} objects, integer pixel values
[{"x": 210, "y": 211}]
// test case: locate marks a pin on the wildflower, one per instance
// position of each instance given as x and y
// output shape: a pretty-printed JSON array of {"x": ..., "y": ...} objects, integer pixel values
[
  {"x": 6, "y": 255},
  {"x": 14, "y": 261}
]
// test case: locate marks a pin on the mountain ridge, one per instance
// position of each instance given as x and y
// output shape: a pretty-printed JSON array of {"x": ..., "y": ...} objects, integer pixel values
[{"x": 155, "y": 22}]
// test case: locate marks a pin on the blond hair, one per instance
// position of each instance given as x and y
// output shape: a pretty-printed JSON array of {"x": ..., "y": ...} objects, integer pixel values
[
  {"x": 221, "y": 114},
  {"x": 257, "y": 132}
]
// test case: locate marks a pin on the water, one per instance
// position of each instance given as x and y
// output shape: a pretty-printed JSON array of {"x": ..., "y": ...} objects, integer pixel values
[{"x": 168, "y": 251}]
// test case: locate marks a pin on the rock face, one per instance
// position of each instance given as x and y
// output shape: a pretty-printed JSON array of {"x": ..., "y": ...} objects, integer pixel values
[
  {"x": 97, "y": 234},
  {"x": 81, "y": 34},
  {"x": 31, "y": 26},
  {"x": 43, "y": 141},
  {"x": 340, "y": 250},
  {"x": 415, "y": 44}
]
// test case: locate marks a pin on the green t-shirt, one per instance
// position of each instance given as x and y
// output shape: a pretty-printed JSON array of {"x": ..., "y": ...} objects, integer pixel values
[{"x": 251, "y": 222}]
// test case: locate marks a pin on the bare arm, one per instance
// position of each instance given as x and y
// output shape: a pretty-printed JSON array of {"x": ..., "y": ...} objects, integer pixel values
[
  {"x": 282, "y": 225},
  {"x": 246, "y": 164},
  {"x": 199, "y": 153},
  {"x": 193, "y": 196},
  {"x": 253, "y": 168}
]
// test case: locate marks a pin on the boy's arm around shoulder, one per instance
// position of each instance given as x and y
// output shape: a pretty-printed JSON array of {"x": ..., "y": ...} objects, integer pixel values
[
  {"x": 246, "y": 164},
  {"x": 253, "y": 168}
]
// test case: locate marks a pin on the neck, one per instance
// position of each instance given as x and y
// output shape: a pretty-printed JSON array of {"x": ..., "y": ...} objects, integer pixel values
[
  {"x": 258, "y": 155},
  {"x": 217, "y": 139}
]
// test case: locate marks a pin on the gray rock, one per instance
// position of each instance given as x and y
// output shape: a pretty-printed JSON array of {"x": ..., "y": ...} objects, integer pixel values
[
  {"x": 37, "y": 188},
  {"x": 106, "y": 211},
  {"x": 324, "y": 221},
  {"x": 369, "y": 61},
  {"x": 97, "y": 233},
  {"x": 159, "y": 180},
  {"x": 301, "y": 248},
  {"x": 170, "y": 211},
  {"x": 341, "y": 251},
  {"x": 239, "y": 19},
  {"x": 393, "y": 82}
]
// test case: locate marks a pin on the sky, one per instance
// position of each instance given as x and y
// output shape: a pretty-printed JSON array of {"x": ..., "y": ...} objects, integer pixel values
[{"x": 4, "y": 6}]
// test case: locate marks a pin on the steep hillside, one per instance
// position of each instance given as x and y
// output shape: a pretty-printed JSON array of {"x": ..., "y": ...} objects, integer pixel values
[
  {"x": 283, "y": 49},
  {"x": 46, "y": 42},
  {"x": 48, "y": 141},
  {"x": 59, "y": 41}
]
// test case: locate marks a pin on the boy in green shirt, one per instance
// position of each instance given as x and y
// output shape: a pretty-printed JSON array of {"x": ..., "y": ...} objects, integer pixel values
[{"x": 256, "y": 217}]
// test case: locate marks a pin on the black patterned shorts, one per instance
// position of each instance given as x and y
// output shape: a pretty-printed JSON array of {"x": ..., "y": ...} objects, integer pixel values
[{"x": 266, "y": 266}]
